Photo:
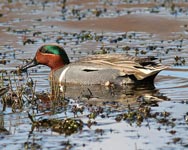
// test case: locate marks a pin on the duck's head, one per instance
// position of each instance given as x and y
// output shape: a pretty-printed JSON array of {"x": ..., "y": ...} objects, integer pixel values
[{"x": 51, "y": 55}]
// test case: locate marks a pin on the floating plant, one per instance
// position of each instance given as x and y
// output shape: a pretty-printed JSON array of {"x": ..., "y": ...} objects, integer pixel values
[
  {"x": 65, "y": 126},
  {"x": 179, "y": 61}
]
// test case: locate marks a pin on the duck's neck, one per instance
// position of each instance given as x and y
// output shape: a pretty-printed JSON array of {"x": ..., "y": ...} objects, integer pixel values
[{"x": 53, "y": 69}]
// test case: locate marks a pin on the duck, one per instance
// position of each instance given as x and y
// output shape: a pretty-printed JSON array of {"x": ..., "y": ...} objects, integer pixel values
[{"x": 99, "y": 69}]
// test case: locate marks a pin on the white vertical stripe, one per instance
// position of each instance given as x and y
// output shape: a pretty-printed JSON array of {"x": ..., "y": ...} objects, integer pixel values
[{"x": 63, "y": 73}]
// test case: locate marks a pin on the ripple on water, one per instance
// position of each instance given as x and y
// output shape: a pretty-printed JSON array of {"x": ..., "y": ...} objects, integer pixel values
[{"x": 174, "y": 82}]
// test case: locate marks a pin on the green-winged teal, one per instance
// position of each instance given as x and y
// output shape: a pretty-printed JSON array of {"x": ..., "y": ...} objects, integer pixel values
[{"x": 101, "y": 69}]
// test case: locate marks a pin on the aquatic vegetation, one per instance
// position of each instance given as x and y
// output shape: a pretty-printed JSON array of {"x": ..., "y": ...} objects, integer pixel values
[
  {"x": 3, "y": 61},
  {"x": 137, "y": 115},
  {"x": 179, "y": 61},
  {"x": 28, "y": 41},
  {"x": 16, "y": 93},
  {"x": 65, "y": 126},
  {"x": 186, "y": 117},
  {"x": 3, "y": 90}
]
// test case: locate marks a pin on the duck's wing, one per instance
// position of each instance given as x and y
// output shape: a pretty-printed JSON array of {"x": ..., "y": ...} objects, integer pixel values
[
  {"x": 118, "y": 59},
  {"x": 141, "y": 68}
]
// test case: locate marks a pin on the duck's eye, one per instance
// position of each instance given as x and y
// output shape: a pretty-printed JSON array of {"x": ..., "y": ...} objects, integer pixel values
[{"x": 44, "y": 50}]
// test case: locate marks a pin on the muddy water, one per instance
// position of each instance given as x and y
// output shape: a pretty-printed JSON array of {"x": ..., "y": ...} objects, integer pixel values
[{"x": 157, "y": 29}]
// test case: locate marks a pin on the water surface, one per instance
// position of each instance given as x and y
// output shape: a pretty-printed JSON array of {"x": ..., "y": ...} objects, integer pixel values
[{"x": 151, "y": 29}]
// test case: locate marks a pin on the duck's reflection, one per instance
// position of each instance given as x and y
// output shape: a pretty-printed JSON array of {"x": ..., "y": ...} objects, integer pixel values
[{"x": 126, "y": 95}]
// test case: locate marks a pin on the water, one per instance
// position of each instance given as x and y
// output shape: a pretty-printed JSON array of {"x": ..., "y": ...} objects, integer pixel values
[{"x": 24, "y": 21}]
